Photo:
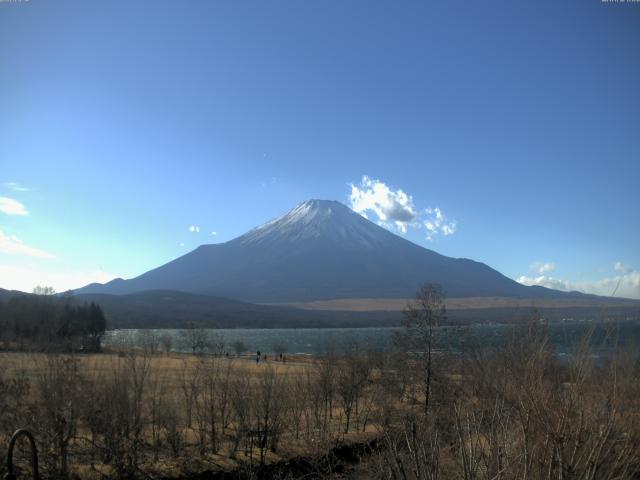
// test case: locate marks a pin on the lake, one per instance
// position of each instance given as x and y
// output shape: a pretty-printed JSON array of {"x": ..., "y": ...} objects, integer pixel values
[{"x": 314, "y": 341}]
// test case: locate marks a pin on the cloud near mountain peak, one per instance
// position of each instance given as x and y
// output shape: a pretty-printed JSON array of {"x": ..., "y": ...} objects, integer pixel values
[
  {"x": 387, "y": 204},
  {"x": 395, "y": 209}
]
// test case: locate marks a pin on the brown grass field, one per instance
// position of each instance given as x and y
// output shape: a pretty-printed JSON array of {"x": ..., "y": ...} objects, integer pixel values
[
  {"x": 399, "y": 304},
  {"x": 515, "y": 411},
  {"x": 170, "y": 379}
]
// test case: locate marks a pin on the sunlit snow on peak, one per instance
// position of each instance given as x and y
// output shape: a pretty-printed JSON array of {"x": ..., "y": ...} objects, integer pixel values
[{"x": 328, "y": 220}]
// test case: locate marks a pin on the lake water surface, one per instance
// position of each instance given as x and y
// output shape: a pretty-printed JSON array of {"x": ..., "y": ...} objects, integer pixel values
[{"x": 314, "y": 341}]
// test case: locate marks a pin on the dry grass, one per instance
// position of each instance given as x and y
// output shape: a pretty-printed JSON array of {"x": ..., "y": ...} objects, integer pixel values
[
  {"x": 28, "y": 365},
  {"x": 500, "y": 413},
  {"x": 165, "y": 382},
  {"x": 399, "y": 304}
]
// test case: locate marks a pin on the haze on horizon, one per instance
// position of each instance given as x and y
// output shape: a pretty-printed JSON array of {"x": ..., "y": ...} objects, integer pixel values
[{"x": 502, "y": 132}]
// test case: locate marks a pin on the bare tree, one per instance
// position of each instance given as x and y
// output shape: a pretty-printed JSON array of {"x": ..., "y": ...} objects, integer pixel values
[
  {"x": 321, "y": 383},
  {"x": 216, "y": 344},
  {"x": 190, "y": 387},
  {"x": 240, "y": 347},
  {"x": 270, "y": 402},
  {"x": 147, "y": 340},
  {"x": 196, "y": 339},
  {"x": 166, "y": 342},
  {"x": 156, "y": 392},
  {"x": 242, "y": 405},
  {"x": 114, "y": 412},
  {"x": 138, "y": 369},
  {"x": 43, "y": 290},
  {"x": 15, "y": 391},
  {"x": 353, "y": 376},
  {"x": 422, "y": 315},
  {"x": 299, "y": 401},
  {"x": 279, "y": 348},
  {"x": 170, "y": 424},
  {"x": 59, "y": 386},
  {"x": 212, "y": 401}
]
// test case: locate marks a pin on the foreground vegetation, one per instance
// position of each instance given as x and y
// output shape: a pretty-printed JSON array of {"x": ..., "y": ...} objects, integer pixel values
[
  {"x": 513, "y": 412},
  {"x": 504, "y": 412}
]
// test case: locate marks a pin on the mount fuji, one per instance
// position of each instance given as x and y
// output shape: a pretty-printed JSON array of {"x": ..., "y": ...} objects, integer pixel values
[{"x": 321, "y": 250}]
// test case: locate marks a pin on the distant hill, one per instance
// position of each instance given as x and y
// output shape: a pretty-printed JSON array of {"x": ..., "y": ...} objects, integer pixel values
[
  {"x": 321, "y": 250},
  {"x": 174, "y": 309},
  {"x": 7, "y": 294}
]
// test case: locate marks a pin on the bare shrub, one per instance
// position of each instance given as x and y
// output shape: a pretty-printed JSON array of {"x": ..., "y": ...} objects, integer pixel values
[
  {"x": 148, "y": 341},
  {"x": 166, "y": 342},
  {"x": 242, "y": 405},
  {"x": 298, "y": 402},
  {"x": 115, "y": 414},
  {"x": 15, "y": 392},
  {"x": 322, "y": 387},
  {"x": 279, "y": 348},
  {"x": 190, "y": 387},
  {"x": 352, "y": 379},
  {"x": 196, "y": 339},
  {"x": 59, "y": 396},
  {"x": 169, "y": 423},
  {"x": 212, "y": 402},
  {"x": 270, "y": 403},
  {"x": 239, "y": 347},
  {"x": 533, "y": 417},
  {"x": 411, "y": 451}
]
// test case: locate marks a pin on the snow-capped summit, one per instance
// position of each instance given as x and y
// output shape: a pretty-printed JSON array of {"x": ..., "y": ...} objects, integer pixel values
[{"x": 317, "y": 219}]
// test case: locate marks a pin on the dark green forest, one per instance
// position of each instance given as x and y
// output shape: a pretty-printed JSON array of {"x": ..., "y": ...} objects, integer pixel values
[{"x": 52, "y": 323}]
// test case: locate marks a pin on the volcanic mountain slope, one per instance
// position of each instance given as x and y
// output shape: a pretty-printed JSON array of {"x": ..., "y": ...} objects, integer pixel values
[{"x": 321, "y": 250}]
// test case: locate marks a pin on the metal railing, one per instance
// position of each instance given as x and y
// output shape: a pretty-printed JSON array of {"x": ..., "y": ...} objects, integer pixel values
[{"x": 10, "y": 475}]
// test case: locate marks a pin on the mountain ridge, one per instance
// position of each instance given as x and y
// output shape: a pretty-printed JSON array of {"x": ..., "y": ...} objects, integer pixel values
[
  {"x": 320, "y": 250},
  {"x": 176, "y": 309}
]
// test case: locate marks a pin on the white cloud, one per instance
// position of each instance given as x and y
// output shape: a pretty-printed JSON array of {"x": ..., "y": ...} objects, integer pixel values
[
  {"x": 12, "y": 245},
  {"x": 626, "y": 285},
  {"x": 543, "y": 267},
  {"x": 546, "y": 268},
  {"x": 16, "y": 187},
  {"x": 194, "y": 229},
  {"x": 436, "y": 222},
  {"x": 26, "y": 277},
  {"x": 12, "y": 207},
  {"x": 389, "y": 205},
  {"x": 546, "y": 281},
  {"x": 621, "y": 267},
  {"x": 395, "y": 209},
  {"x": 214, "y": 233}
]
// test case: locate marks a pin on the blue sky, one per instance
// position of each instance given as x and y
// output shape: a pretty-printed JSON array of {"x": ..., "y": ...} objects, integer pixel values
[{"x": 123, "y": 124}]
